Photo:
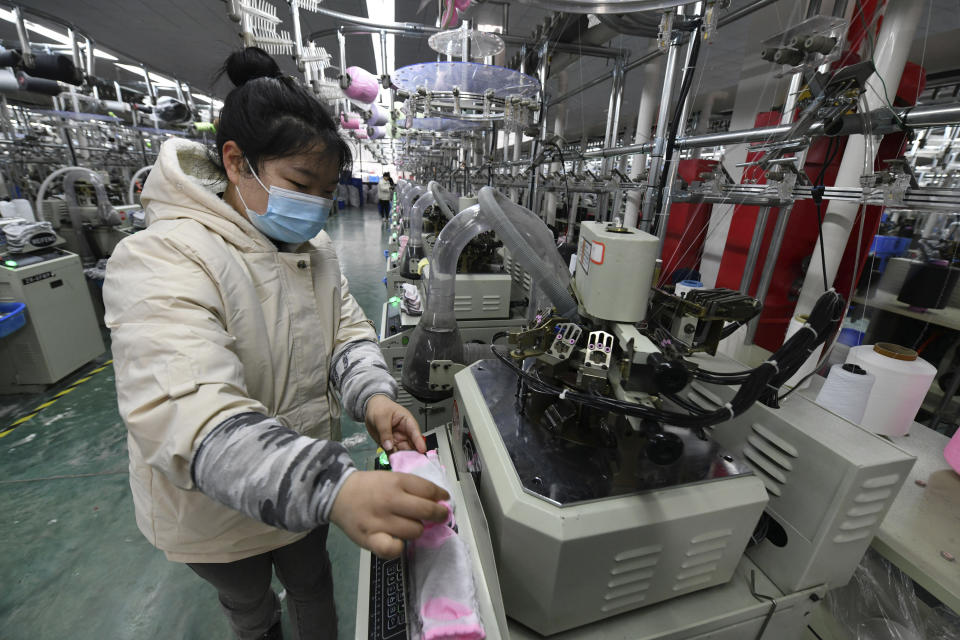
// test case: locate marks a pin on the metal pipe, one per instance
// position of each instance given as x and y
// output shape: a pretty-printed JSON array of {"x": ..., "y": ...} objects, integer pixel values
[
  {"x": 189, "y": 95},
  {"x": 754, "y": 251},
  {"x": 783, "y": 215},
  {"x": 674, "y": 165},
  {"x": 610, "y": 132},
  {"x": 25, "y": 52},
  {"x": 900, "y": 22},
  {"x": 743, "y": 12},
  {"x": 659, "y": 141},
  {"x": 75, "y": 49},
  {"x": 656, "y": 53},
  {"x": 91, "y": 64}
]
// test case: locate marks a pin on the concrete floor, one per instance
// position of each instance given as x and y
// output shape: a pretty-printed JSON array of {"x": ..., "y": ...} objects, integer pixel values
[{"x": 72, "y": 562}]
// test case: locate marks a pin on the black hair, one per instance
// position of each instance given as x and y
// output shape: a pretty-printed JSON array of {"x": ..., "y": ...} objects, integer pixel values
[{"x": 269, "y": 115}]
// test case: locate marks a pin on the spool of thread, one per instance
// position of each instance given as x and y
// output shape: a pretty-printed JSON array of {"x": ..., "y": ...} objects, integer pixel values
[
  {"x": 375, "y": 133},
  {"x": 351, "y": 122},
  {"x": 378, "y": 116},
  {"x": 364, "y": 86},
  {"x": 37, "y": 85},
  {"x": 683, "y": 287},
  {"x": 952, "y": 452},
  {"x": 8, "y": 80},
  {"x": 846, "y": 391},
  {"x": 928, "y": 285},
  {"x": 808, "y": 367},
  {"x": 54, "y": 66},
  {"x": 902, "y": 382},
  {"x": 9, "y": 57}
]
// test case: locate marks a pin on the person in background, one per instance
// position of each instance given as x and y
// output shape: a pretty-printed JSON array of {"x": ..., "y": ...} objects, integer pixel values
[
  {"x": 235, "y": 342},
  {"x": 384, "y": 193}
]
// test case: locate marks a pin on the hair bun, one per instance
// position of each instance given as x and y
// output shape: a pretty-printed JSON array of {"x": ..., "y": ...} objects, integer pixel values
[{"x": 250, "y": 63}]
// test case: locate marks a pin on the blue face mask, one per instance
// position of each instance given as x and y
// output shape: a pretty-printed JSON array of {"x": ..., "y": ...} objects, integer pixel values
[{"x": 291, "y": 216}]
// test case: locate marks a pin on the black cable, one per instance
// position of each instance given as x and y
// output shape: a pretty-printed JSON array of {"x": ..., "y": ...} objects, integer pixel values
[{"x": 817, "y": 194}]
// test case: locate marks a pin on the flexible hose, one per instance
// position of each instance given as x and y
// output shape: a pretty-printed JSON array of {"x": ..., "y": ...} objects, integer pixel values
[
  {"x": 131, "y": 193},
  {"x": 531, "y": 244}
]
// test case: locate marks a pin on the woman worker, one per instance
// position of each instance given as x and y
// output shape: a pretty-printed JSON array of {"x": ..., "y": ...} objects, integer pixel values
[
  {"x": 233, "y": 329},
  {"x": 384, "y": 193}
]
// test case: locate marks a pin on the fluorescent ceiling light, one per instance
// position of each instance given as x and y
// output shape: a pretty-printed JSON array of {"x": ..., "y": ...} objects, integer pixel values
[
  {"x": 50, "y": 34},
  {"x": 157, "y": 79},
  {"x": 217, "y": 104}
]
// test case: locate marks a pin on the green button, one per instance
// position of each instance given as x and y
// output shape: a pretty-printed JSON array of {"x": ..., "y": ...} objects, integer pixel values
[
  {"x": 405, "y": 340},
  {"x": 384, "y": 460},
  {"x": 10, "y": 263}
]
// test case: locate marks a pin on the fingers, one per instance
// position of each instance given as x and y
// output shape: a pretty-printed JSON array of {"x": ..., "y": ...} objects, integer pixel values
[
  {"x": 384, "y": 545},
  {"x": 419, "y": 509},
  {"x": 422, "y": 488},
  {"x": 406, "y": 424},
  {"x": 403, "y": 528},
  {"x": 385, "y": 431}
]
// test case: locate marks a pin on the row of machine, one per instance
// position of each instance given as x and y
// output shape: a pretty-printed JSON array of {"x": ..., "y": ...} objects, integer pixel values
[
  {"x": 53, "y": 263},
  {"x": 613, "y": 476}
]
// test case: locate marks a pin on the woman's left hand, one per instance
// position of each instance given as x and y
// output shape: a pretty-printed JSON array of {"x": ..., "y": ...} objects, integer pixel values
[{"x": 392, "y": 426}]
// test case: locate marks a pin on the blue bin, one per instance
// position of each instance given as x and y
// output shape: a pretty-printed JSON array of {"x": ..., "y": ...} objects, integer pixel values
[
  {"x": 850, "y": 337},
  {"x": 14, "y": 316},
  {"x": 886, "y": 247}
]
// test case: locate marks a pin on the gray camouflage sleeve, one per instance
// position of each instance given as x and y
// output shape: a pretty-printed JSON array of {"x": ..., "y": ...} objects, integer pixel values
[
  {"x": 359, "y": 373},
  {"x": 255, "y": 465}
]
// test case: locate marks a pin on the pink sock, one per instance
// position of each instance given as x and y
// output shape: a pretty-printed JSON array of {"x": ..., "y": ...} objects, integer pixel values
[{"x": 440, "y": 570}]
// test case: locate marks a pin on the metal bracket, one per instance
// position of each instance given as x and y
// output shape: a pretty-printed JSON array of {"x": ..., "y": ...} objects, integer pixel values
[{"x": 442, "y": 373}]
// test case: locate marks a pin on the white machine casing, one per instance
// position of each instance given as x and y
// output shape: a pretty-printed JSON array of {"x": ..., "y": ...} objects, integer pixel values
[
  {"x": 615, "y": 268},
  {"x": 830, "y": 483},
  {"x": 562, "y": 567},
  {"x": 61, "y": 334}
]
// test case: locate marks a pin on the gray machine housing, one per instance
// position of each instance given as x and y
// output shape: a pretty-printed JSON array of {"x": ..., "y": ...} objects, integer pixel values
[
  {"x": 830, "y": 483},
  {"x": 61, "y": 334},
  {"x": 563, "y": 567}
]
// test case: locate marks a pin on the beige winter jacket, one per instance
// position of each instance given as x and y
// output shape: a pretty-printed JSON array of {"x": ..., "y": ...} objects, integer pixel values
[{"x": 209, "y": 320}]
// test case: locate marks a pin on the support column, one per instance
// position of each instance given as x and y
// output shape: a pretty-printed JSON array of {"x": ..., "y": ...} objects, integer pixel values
[
  {"x": 649, "y": 97},
  {"x": 892, "y": 47}
]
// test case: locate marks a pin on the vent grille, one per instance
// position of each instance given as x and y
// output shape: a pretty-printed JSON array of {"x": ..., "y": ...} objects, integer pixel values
[
  {"x": 702, "y": 559},
  {"x": 630, "y": 578},
  {"x": 771, "y": 457},
  {"x": 462, "y": 303},
  {"x": 866, "y": 511},
  {"x": 491, "y": 303}
]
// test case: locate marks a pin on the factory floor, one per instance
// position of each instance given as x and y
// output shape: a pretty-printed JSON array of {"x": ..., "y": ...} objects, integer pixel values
[{"x": 72, "y": 562}]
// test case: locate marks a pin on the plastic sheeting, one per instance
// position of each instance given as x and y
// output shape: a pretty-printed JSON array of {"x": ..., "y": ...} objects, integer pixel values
[
  {"x": 470, "y": 77},
  {"x": 880, "y": 603}
]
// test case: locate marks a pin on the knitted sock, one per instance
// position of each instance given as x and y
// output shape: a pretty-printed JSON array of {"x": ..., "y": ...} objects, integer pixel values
[{"x": 441, "y": 574}]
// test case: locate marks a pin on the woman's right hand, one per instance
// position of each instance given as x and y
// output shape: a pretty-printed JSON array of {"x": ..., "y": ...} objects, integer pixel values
[{"x": 380, "y": 509}]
